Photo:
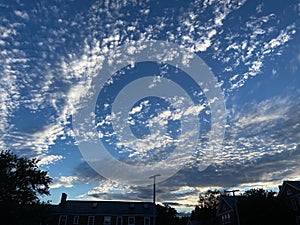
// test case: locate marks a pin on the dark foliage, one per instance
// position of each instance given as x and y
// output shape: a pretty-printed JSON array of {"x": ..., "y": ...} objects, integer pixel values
[
  {"x": 167, "y": 215},
  {"x": 259, "y": 193},
  {"x": 206, "y": 211},
  {"x": 21, "y": 185}
]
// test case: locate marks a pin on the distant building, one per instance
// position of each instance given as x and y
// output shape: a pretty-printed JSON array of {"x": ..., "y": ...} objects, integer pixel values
[
  {"x": 241, "y": 210},
  {"x": 289, "y": 191},
  {"x": 73, "y": 212}
]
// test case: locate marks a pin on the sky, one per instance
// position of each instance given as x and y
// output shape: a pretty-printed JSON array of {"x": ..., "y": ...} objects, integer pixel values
[{"x": 105, "y": 94}]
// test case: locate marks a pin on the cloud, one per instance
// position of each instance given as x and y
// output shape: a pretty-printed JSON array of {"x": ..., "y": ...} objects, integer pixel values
[
  {"x": 47, "y": 73},
  {"x": 86, "y": 174},
  {"x": 260, "y": 129},
  {"x": 45, "y": 160},
  {"x": 261, "y": 150},
  {"x": 110, "y": 190},
  {"x": 244, "y": 54},
  {"x": 37, "y": 142},
  {"x": 64, "y": 181},
  {"x": 21, "y": 14}
]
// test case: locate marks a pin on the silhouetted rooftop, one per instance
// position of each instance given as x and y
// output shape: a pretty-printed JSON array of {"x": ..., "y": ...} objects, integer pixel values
[{"x": 104, "y": 207}]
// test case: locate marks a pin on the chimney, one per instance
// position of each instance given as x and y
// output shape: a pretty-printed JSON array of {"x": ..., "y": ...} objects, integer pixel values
[{"x": 63, "y": 199}]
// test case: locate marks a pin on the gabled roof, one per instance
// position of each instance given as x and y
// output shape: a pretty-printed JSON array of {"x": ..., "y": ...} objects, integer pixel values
[
  {"x": 104, "y": 208},
  {"x": 293, "y": 184},
  {"x": 228, "y": 200}
]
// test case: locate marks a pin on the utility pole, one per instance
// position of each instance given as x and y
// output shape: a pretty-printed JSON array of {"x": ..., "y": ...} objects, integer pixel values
[
  {"x": 154, "y": 206},
  {"x": 154, "y": 182}
]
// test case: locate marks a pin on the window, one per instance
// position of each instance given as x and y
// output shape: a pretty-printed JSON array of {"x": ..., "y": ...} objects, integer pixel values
[
  {"x": 223, "y": 220},
  {"x": 146, "y": 221},
  {"x": 62, "y": 220},
  {"x": 299, "y": 201},
  {"x": 131, "y": 205},
  {"x": 119, "y": 221},
  {"x": 131, "y": 220},
  {"x": 289, "y": 192},
  {"x": 294, "y": 204},
  {"x": 107, "y": 220},
  {"x": 228, "y": 218},
  {"x": 146, "y": 206},
  {"x": 91, "y": 220},
  {"x": 75, "y": 219}
]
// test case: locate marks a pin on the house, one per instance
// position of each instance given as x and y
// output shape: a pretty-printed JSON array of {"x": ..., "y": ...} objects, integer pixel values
[
  {"x": 76, "y": 212},
  {"x": 289, "y": 191},
  {"x": 227, "y": 212},
  {"x": 241, "y": 210}
]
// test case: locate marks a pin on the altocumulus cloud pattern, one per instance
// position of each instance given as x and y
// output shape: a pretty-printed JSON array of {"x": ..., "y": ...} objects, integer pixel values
[{"x": 63, "y": 61}]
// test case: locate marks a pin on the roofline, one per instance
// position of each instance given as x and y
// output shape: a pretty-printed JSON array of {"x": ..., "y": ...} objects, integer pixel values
[
  {"x": 284, "y": 187},
  {"x": 236, "y": 198},
  {"x": 107, "y": 201},
  {"x": 103, "y": 214},
  {"x": 293, "y": 186},
  {"x": 230, "y": 210}
]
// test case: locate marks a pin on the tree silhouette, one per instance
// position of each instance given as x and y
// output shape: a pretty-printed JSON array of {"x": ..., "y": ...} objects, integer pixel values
[
  {"x": 166, "y": 215},
  {"x": 259, "y": 193},
  {"x": 206, "y": 210},
  {"x": 210, "y": 199},
  {"x": 256, "y": 206},
  {"x": 21, "y": 185}
]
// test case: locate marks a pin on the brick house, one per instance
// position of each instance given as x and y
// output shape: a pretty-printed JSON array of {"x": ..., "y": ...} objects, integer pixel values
[
  {"x": 289, "y": 191},
  {"x": 76, "y": 212}
]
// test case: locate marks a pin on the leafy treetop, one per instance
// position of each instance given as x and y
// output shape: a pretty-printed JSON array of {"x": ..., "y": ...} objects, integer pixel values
[{"x": 21, "y": 181}]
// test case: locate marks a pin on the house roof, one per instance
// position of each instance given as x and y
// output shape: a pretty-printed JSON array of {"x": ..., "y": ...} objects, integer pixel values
[
  {"x": 294, "y": 184},
  {"x": 228, "y": 200},
  {"x": 104, "y": 208}
]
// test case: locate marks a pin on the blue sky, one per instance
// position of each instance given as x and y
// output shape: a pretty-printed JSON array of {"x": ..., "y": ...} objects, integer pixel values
[{"x": 53, "y": 54}]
